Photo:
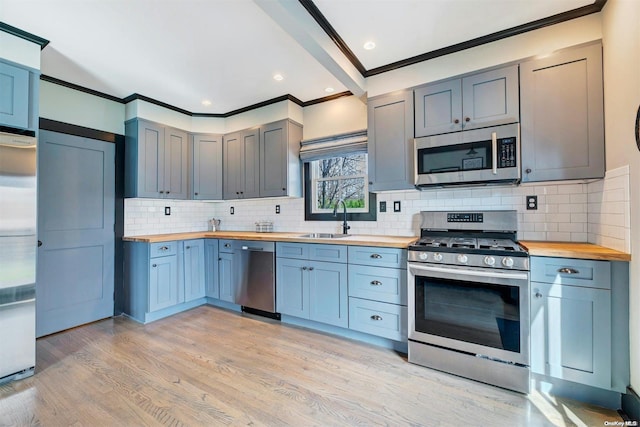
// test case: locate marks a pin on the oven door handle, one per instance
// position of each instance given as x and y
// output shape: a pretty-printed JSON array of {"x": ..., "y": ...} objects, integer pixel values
[
  {"x": 475, "y": 273},
  {"x": 494, "y": 153}
]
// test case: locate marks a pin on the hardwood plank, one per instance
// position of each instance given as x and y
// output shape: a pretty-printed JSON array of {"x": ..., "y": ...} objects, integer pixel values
[{"x": 209, "y": 366}]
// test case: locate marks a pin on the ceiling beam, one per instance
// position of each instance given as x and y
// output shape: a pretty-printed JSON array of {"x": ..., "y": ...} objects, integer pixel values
[{"x": 294, "y": 19}]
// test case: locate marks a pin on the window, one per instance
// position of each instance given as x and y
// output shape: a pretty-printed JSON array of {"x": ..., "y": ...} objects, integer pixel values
[{"x": 342, "y": 177}]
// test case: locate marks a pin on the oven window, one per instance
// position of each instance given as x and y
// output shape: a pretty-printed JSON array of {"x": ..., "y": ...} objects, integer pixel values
[
  {"x": 478, "y": 313},
  {"x": 453, "y": 158}
]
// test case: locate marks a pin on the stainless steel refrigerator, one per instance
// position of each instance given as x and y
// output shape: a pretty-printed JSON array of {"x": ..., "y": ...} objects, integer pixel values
[{"x": 18, "y": 243}]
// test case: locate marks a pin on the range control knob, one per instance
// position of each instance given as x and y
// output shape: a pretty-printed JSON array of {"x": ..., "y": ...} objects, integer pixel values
[
  {"x": 489, "y": 260},
  {"x": 462, "y": 258},
  {"x": 423, "y": 256},
  {"x": 507, "y": 262},
  {"x": 437, "y": 257}
]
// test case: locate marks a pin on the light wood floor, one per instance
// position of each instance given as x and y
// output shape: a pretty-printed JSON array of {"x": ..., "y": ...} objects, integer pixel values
[{"x": 212, "y": 367}]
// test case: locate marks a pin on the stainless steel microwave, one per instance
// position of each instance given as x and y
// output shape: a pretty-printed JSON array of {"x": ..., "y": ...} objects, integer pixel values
[{"x": 480, "y": 156}]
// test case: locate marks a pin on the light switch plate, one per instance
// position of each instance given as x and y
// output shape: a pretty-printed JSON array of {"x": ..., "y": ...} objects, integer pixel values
[
  {"x": 396, "y": 206},
  {"x": 383, "y": 206},
  {"x": 167, "y": 210},
  {"x": 231, "y": 210}
]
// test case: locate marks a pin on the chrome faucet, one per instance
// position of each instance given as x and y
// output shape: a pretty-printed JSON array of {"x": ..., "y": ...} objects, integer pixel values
[{"x": 345, "y": 226}]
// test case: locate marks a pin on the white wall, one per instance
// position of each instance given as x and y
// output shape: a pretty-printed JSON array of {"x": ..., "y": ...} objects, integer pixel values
[
  {"x": 19, "y": 50},
  {"x": 341, "y": 115},
  {"x": 621, "y": 40}
]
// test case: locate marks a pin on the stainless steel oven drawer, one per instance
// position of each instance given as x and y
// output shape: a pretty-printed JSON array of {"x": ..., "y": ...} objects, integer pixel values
[
  {"x": 378, "y": 284},
  {"x": 378, "y": 318}
]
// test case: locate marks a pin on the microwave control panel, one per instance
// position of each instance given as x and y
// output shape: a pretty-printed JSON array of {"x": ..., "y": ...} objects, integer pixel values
[{"x": 507, "y": 152}]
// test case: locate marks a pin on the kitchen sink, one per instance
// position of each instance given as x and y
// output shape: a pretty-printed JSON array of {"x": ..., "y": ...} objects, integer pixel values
[{"x": 323, "y": 236}]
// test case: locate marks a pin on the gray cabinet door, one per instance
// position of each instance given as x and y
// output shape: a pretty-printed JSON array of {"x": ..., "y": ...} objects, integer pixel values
[
  {"x": 571, "y": 333},
  {"x": 147, "y": 164},
  {"x": 438, "y": 108},
  {"x": 490, "y": 98},
  {"x": 194, "y": 269},
  {"x": 207, "y": 167},
  {"x": 233, "y": 170},
  {"x": 227, "y": 277},
  {"x": 251, "y": 163},
  {"x": 14, "y": 101},
  {"x": 390, "y": 146},
  {"x": 175, "y": 164},
  {"x": 292, "y": 287},
  {"x": 274, "y": 139},
  {"x": 562, "y": 125},
  {"x": 163, "y": 282},
  {"x": 211, "y": 260},
  {"x": 328, "y": 295}
]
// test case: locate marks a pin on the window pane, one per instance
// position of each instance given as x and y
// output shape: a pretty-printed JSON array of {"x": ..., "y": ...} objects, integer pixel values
[
  {"x": 327, "y": 194},
  {"x": 352, "y": 192},
  {"x": 355, "y": 164}
]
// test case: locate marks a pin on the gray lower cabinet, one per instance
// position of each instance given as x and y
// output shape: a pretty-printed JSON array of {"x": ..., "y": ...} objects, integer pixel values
[
  {"x": 206, "y": 167},
  {"x": 211, "y": 255},
  {"x": 194, "y": 269},
  {"x": 17, "y": 89},
  {"x": 571, "y": 320},
  {"x": 309, "y": 288},
  {"x": 164, "y": 283},
  {"x": 155, "y": 160},
  {"x": 241, "y": 164},
  {"x": 227, "y": 271},
  {"x": 390, "y": 141},
  {"x": 562, "y": 123},
  {"x": 474, "y": 101},
  {"x": 378, "y": 291}
]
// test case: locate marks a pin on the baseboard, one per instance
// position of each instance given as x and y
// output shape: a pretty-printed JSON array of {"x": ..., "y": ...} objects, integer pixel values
[
  {"x": 631, "y": 405},
  {"x": 584, "y": 393}
]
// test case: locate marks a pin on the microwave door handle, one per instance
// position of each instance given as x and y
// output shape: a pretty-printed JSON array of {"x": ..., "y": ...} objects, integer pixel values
[
  {"x": 458, "y": 272},
  {"x": 494, "y": 152}
]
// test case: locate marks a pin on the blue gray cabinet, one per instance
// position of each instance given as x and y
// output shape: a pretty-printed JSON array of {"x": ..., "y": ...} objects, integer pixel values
[
  {"x": 212, "y": 288},
  {"x": 227, "y": 274},
  {"x": 474, "y": 101},
  {"x": 155, "y": 160},
  {"x": 19, "y": 87},
  {"x": 279, "y": 159},
  {"x": 390, "y": 145},
  {"x": 563, "y": 139},
  {"x": 163, "y": 282},
  {"x": 310, "y": 288},
  {"x": 194, "y": 269},
  {"x": 378, "y": 291},
  {"x": 241, "y": 164},
  {"x": 571, "y": 324},
  {"x": 207, "y": 167}
]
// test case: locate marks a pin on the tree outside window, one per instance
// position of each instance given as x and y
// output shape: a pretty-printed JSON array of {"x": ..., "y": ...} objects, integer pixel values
[{"x": 336, "y": 178}]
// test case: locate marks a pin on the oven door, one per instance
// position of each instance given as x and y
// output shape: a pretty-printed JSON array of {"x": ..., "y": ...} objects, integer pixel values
[
  {"x": 476, "y": 156},
  {"x": 479, "y": 311}
]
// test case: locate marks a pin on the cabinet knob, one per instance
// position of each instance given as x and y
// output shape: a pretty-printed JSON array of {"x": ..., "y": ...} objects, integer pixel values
[
  {"x": 376, "y": 317},
  {"x": 376, "y": 283},
  {"x": 370, "y": 182},
  {"x": 187, "y": 247},
  {"x": 154, "y": 265},
  {"x": 161, "y": 192},
  {"x": 284, "y": 189},
  {"x": 456, "y": 121},
  {"x": 538, "y": 295},
  {"x": 376, "y": 256},
  {"x": 219, "y": 259},
  {"x": 39, "y": 243},
  {"x": 467, "y": 119},
  {"x": 167, "y": 192},
  {"x": 528, "y": 170},
  {"x": 310, "y": 268},
  {"x": 304, "y": 268},
  {"x": 196, "y": 194}
]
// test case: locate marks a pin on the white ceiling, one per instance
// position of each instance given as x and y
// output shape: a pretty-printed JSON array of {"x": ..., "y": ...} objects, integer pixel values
[{"x": 181, "y": 52}]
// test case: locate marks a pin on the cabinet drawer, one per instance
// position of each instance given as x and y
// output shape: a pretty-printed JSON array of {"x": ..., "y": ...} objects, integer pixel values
[
  {"x": 331, "y": 253},
  {"x": 380, "y": 257},
  {"x": 163, "y": 249},
  {"x": 568, "y": 271},
  {"x": 225, "y": 245},
  {"x": 378, "y": 318},
  {"x": 378, "y": 284},
  {"x": 292, "y": 250}
]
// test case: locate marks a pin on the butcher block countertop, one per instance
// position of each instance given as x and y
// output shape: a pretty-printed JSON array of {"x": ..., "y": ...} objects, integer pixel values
[
  {"x": 574, "y": 250},
  {"x": 354, "y": 240}
]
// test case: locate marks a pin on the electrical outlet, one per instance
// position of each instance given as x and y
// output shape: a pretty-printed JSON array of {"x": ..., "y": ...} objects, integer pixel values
[
  {"x": 532, "y": 203},
  {"x": 383, "y": 206},
  {"x": 396, "y": 206},
  {"x": 231, "y": 210},
  {"x": 277, "y": 209},
  {"x": 167, "y": 210}
]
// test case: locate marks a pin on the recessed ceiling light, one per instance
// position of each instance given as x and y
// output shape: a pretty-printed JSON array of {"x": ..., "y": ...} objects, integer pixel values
[
  {"x": 369, "y": 45},
  {"x": 278, "y": 77},
  {"x": 206, "y": 102},
  {"x": 329, "y": 89}
]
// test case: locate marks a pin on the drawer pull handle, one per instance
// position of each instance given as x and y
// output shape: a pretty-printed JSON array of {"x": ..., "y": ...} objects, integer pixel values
[
  {"x": 376, "y": 317},
  {"x": 164, "y": 248},
  {"x": 227, "y": 245},
  {"x": 566, "y": 270},
  {"x": 187, "y": 247},
  {"x": 376, "y": 283},
  {"x": 376, "y": 256}
]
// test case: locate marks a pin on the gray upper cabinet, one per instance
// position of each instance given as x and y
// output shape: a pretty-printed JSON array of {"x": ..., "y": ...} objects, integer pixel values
[
  {"x": 207, "y": 167},
  {"x": 479, "y": 100},
  {"x": 241, "y": 154},
  {"x": 562, "y": 126},
  {"x": 19, "y": 96},
  {"x": 156, "y": 161},
  {"x": 279, "y": 159},
  {"x": 390, "y": 146}
]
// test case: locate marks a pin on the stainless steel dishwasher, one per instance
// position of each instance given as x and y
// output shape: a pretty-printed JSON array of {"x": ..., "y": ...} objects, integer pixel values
[{"x": 256, "y": 290}]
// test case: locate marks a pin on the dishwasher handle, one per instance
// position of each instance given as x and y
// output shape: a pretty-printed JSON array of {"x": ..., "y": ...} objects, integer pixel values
[{"x": 251, "y": 248}]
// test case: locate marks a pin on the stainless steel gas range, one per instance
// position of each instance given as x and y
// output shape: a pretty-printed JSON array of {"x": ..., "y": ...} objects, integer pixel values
[{"x": 468, "y": 294}]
